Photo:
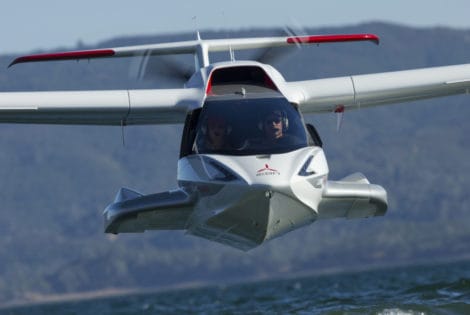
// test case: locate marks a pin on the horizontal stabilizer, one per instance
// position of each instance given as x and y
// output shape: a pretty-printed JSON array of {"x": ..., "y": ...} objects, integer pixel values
[
  {"x": 199, "y": 46},
  {"x": 133, "y": 212}
]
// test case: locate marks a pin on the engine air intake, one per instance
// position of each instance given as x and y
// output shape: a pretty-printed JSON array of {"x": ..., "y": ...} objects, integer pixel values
[{"x": 229, "y": 80}]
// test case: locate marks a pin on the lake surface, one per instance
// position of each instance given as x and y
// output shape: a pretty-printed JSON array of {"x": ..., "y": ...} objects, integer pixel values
[{"x": 439, "y": 289}]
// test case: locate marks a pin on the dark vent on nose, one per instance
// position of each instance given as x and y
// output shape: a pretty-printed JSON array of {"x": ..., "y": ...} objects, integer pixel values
[{"x": 231, "y": 80}]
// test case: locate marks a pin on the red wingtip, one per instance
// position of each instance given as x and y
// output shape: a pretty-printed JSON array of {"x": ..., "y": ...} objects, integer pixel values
[
  {"x": 70, "y": 55},
  {"x": 317, "y": 39}
]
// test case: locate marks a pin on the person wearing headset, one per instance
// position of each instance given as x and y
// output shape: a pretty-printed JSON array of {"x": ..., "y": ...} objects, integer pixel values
[
  {"x": 214, "y": 130},
  {"x": 274, "y": 125}
]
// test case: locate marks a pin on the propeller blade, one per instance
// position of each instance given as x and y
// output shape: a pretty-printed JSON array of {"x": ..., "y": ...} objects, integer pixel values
[
  {"x": 274, "y": 54},
  {"x": 168, "y": 67},
  {"x": 163, "y": 69}
]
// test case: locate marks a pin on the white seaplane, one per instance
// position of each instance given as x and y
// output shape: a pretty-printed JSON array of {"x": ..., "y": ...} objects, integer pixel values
[{"x": 250, "y": 169}]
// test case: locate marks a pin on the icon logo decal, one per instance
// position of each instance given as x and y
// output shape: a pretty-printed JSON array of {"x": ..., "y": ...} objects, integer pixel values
[{"x": 267, "y": 171}]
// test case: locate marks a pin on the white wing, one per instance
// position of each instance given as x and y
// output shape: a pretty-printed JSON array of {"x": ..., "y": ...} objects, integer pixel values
[
  {"x": 118, "y": 107},
  {"x": 358, "y": 91}
]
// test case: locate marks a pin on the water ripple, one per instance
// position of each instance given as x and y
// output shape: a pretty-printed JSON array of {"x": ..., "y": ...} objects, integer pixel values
[{"x": 401, "y": 291}]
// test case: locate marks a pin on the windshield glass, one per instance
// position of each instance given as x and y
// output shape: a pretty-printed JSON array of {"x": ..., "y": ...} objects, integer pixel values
[{"x": 249, "y": 126}]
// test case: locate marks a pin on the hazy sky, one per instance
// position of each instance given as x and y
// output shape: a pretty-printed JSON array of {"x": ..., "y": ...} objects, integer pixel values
[{"x": 27, "y": 25}]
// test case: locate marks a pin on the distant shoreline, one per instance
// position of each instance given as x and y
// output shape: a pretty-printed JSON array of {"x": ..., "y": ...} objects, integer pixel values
[{"x": 32, "y": 299}]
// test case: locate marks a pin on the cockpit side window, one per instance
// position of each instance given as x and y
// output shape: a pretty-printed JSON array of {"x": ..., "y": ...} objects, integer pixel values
[
  {"x": 315, "y": 136},
  {"x": 189, "y": 132}
]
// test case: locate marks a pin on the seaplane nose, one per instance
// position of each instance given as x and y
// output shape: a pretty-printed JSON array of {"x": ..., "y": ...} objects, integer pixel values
[{"x": 245, "y": 200}]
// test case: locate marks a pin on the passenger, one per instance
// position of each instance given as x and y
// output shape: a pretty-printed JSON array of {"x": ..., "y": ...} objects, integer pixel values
[{"x": 216, "y": 131}]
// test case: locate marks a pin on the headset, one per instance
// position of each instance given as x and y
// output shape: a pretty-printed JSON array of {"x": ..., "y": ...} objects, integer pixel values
[{"x": 284, "y": 119}]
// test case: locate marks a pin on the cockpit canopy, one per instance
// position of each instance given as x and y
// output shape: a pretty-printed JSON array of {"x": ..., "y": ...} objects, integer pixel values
[{"x": 247, "y": 126}]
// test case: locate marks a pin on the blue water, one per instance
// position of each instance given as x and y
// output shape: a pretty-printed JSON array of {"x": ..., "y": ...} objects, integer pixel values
[{"x": 440, "y": 289}]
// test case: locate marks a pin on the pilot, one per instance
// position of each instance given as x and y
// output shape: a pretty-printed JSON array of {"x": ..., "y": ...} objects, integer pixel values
[{"x": 273, "y": 126}]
